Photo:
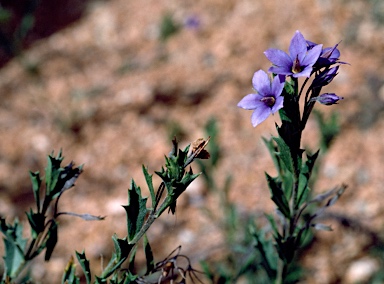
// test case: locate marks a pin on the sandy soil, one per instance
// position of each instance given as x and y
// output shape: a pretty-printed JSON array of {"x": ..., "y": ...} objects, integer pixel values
[{"x": 109, "y": 93}]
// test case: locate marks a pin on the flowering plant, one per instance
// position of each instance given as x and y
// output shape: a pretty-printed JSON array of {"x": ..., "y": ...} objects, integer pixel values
[
  {"x": 290, "y": 189},
  {"x": 274, "y": 251}
]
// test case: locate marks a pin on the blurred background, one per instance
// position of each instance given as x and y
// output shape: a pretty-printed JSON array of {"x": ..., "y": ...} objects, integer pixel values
[{"x": 111, "y": 82}]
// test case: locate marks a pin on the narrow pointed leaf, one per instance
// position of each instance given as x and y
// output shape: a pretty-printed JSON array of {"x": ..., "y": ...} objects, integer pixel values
[
  {"x": 36, "y": 182},
  {"x": 148, "y": 179},
  {"x": 285, "y": 154},
  {"x": 84, "y": 263}
]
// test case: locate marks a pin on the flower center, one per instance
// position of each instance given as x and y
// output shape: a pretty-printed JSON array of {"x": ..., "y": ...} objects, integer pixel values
[
  {"x": 296, "y": 68},
  {"x": 269, "y": 101}
]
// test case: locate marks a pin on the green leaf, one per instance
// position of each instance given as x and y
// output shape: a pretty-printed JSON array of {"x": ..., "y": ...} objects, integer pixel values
[
  {"x": 100, "y": 280},
  {"x": 278, "y": 196},
  {"x": 37, "y": 223},
  {"x": 122, "y": 250},
  {"x": 69, "y": 276},
  {"x": 305, "y": 174},
  {"x": 148, "y": 255},
  {"x": 289, "y": 87},
  {"x": 213, "y": 147},
  {"x": 329, "y": 128},
  {"x": 136, "y": 210},
  {"x": 168, "y": 27},
  {"x": 51, "y": 241},
  {"x": 284, "y": 116},
  {"x": 273, "y": 224},
  {"x": 52, "y": 172},
  {"x": 285, "y": 154},
  {"x": 36, "y": 182},
  {"x": 273, "y": 152},
  {"x": 14, "y": 247},
  {"x": 84, "y": 263},
  {"x": 287, "y": 183},
  {"x": 265, "y": 248},
  {"x": 148, "y": 179},
  {"x": 302, "y": 190}
]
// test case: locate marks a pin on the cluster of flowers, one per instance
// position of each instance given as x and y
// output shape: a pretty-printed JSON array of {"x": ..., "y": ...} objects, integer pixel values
[{"x": 305, "y": 58}]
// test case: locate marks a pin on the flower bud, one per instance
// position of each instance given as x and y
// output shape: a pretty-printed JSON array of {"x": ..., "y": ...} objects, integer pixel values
[
  {"x": 327, "y": 99},
  {"x": 325, "y": 77}
]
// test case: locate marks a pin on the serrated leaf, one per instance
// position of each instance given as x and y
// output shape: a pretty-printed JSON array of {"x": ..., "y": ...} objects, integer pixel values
[
  {"x": 278, "y": 196},
  {"x": 84, "y": 263},
  {"x": 148, "y": 179},
  {"x": 136, "y": 210},
  {"x": 285, "y": 154},
  {"x": 69, "y": 276}
]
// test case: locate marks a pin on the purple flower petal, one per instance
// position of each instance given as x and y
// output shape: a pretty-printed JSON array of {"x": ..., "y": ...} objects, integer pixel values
[
  {"x": 260, "y": 114},
  {"x": 312, "y": 56},
  {"x": 278, "y": 84},
  {"x": 261, "y": 82},
  {"x": 283, "y": 70},
  {"x": 278, "y": 57},
  {"x": 298, "y": 46},
  {"x": 268, "y": 98},
  {"x": 278, "y": 104},
  {"x": 306, "y": 72},
  {"x": 327, "y": 99},
  {"x": 250, "y": 101}
]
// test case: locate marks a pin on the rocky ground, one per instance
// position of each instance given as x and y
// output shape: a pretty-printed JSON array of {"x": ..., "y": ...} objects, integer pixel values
[{"x": 110, "y": 92}]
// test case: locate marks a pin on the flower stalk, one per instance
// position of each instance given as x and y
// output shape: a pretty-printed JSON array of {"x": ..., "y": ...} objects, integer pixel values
[{"x": 290, "y": 189}]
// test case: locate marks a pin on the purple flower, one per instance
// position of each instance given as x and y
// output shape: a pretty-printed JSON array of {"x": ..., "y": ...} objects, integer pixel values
[
  {"x": 328, "y": 56},
  {"x": 327, "y": 99},
  {"x": 192, "y": 22},
  {"x": 268, "y": 98},
  {"x": 300, "y": 60},
  {"x": 325, "y": 77}
]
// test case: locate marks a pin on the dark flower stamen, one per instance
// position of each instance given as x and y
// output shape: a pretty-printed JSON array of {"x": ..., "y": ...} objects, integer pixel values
[
  {"x": 269, "y": 101},
  {"x": 296, "y": 68}
]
